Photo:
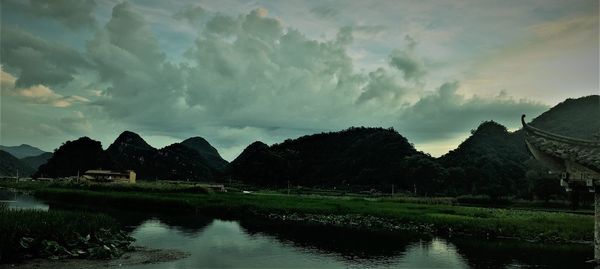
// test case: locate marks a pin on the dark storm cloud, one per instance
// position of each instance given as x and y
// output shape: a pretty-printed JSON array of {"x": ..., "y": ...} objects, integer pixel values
[
  {"x": 381, "y": 87},
  {"x": 38, "y": 61},
  {"x": 74, "y": 14},
  {"x": 406, "y": 62}
]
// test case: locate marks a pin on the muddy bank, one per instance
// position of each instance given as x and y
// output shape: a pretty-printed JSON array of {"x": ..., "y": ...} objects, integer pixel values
[{"x": 139, "y": 256}]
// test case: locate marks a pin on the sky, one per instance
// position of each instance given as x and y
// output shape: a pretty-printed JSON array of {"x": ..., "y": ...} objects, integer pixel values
[{"x": 235, "y": 72}]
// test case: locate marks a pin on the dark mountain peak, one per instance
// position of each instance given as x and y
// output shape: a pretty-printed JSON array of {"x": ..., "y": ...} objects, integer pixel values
[
  {"x": 22, "y": 150},
  {"x": 130, "y": 139},
  {"x": 207, "y": 151},
  {"x": 257, "y": 145},
  {"x": 490, "y": 128},
  {"x": 178, "y": 161},
  {"x": 82, "y": 141},
  {"x": 200, "y": 144}
]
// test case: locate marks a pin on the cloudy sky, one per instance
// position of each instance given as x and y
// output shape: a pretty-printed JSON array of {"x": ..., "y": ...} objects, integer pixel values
[{"x": 239, "y": 71}]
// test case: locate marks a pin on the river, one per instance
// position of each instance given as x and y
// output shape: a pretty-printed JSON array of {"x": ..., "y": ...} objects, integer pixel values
[{"x": 217, "y": 243}]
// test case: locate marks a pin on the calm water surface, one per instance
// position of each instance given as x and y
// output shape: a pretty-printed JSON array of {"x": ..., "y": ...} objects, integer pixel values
[{"x": 215, "y": 243}]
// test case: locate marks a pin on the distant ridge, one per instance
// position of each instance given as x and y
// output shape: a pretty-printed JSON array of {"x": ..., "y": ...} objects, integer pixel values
[
  {"x": 36, "y": 161},
  {"x": 11, "y": 166},
  {"x": 22, "y": 151}
]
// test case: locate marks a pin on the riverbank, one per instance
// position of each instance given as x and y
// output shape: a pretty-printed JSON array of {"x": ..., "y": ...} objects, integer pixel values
[
  {"x": 359, "y": 213},
  {"x": 138, "y": 256},
  {"x": 26, "y": 234}
]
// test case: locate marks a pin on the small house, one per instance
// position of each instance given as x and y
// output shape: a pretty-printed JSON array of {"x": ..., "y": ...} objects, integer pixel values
[{"x": 110, "y": 176}]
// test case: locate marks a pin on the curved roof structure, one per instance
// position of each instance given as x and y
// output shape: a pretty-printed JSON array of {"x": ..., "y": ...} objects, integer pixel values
[{"x": 554, "y": 149}]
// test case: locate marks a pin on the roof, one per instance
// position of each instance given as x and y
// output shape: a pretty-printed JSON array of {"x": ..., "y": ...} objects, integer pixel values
[
  {"x": 105, "y": 172},
  {"x": 583, "y": 152}
]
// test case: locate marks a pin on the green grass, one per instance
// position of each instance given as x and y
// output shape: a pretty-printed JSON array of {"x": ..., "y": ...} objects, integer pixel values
[
  {"x": 34, "y": 233},
  {"x": 477, "y": 221},
  {"x": 143, "y": 186}
]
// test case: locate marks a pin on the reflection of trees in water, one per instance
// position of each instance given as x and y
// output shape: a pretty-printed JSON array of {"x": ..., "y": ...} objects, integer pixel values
[
  {"x": 350, "y": 244},
  {"x": 131, "y": 219},
  {"x": 503, "y": 253},
  {"x": 357, "y": 245}
]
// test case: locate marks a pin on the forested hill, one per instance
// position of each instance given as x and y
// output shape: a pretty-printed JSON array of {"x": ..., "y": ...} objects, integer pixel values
[
  {"x": 495, "y": 162},
  {"x": 207, "y": 151},
  {"x": 491, "y": 161},
  {"x": 356, "y": 156},
  {"x": 130, "y": 152},
  {"x": 578, "y": 118}
]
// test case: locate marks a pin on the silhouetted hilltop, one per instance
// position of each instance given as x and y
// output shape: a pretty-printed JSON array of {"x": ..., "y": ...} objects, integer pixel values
[
  {"x": 179, "y": 162},
  {"x": 361, "y": 156},
  {"x": 36, "y": 161},
  {"x": 494, "y": 161},
  {"x": 578, "y": 118},
  {"x": 207, "y": 151},
  {"x": 75, "y": 157},
  {"x": 131, "y": 152},
  {"x": 10, "y": 166},
  {"x": 491, "y": 160},
  {"x": 22, "y": 151}
]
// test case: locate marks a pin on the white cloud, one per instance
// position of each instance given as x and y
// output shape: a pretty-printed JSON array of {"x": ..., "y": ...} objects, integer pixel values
[{"x": 37, "y": 94}]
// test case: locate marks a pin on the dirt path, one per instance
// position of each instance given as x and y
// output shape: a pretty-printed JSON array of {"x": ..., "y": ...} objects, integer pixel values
[{"x": 139, "y": 256}]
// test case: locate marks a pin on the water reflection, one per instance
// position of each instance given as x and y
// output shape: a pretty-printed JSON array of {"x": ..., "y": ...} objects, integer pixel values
[
  {"x": 215, "y": 243},
  {"x": 19, "y": 200},
  {"x": 514, "y": 254},
  {"x": 226, "y": 244}
]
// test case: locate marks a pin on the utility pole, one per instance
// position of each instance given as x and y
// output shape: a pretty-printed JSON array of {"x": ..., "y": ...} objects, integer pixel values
[
  {"x": 17, "y": 175},
  {"x": 288, "y": 187},
  {"x": 392, "y": 190}
]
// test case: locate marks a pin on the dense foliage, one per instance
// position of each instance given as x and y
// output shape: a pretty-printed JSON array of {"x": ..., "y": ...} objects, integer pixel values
[
  {"x": 75, "y": 157},
  {"x": 356, "y": 156},
  {"x": 493, "y": 161}
]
